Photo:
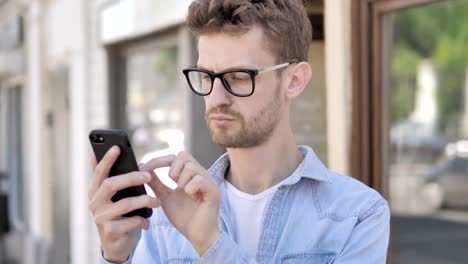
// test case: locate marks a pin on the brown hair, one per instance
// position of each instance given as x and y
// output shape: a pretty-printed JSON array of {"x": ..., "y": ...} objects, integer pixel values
[{"x": 285, "y": 23}]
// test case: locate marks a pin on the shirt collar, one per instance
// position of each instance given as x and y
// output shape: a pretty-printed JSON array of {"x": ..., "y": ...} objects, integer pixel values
[{"x": 311, "y": 167}]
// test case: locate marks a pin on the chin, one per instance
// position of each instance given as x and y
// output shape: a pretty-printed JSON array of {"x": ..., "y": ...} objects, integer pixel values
[
  {"x": 223, "y": 140},
  {"x": 233, "y": 142}
]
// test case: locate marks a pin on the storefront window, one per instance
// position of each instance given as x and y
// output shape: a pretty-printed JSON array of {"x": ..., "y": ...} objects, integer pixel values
[
  {"x": 154, "y": 106},
  {"x": 154, "y": 109},
  {"x": 425, "y": 70}
]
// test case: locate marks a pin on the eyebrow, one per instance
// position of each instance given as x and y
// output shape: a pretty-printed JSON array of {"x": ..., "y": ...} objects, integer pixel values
[{"x": 238, "y": 67}]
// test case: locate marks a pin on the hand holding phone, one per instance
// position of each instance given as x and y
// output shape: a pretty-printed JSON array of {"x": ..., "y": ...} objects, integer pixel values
[
  {"x": 102, "y": 141},
  {"x": 117, "y": 190}
]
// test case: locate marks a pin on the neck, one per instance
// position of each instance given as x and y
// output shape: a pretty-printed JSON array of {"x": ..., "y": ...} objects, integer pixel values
[{"x": 256, "y": 169}]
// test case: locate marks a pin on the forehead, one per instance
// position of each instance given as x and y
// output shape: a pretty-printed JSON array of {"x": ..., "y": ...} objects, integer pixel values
[{"x": 218, "y": 51}]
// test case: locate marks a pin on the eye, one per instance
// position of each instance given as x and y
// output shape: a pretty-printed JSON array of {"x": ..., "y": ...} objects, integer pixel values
[
  {"x": 205, "y": 76},
  {"x": 237, "y": 76}
]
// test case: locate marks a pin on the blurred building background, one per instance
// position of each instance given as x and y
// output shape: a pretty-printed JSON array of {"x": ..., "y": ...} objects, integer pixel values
[{"x": 388, "y": 104}]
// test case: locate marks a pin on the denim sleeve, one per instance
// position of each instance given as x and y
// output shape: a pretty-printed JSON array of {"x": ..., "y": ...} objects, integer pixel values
[
  {"x": 102, "y": 260},
  {"x": 368, "y": 242},
  {"x": 146, "y": 251},
  {"x": 225, "y": 250}
]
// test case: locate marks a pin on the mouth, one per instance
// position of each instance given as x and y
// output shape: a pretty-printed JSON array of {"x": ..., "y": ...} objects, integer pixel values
[{"x": 220, "y": 119}]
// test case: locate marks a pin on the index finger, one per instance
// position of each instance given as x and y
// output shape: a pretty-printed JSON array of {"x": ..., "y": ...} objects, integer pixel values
[
  {"x": 101, "y": 171},
  {"x": 159, "y": 162},
  {"x": 161, "y": 190}
]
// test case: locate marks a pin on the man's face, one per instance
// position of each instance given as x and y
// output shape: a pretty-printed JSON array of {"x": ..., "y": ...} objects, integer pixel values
[{"x": 240, "y": 122}]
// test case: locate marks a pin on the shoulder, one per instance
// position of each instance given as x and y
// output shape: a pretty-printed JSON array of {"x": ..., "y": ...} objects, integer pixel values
[
  {"x": 343, "y": 196},
  {"x": 334, "y": 195}
]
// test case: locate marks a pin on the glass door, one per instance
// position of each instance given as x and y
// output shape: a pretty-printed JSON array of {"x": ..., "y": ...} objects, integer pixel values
[
  {"x": 424, "y": 102},
  {"x": 154, "y": 108},
  {"x": 151, "y": 100},
  {"x": 15, "y": 158},
  {"x": 12, "y": 178}
]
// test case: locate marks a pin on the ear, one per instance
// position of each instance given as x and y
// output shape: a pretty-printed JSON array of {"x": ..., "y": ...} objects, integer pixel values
[{"x": 299, "y": 76}]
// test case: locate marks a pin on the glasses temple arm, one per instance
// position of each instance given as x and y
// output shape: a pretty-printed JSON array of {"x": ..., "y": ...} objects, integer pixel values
[{"x": 279, "y": 66}]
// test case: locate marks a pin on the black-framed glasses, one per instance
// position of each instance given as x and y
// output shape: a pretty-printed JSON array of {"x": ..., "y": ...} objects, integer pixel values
[{"x": 239, "y": 82}]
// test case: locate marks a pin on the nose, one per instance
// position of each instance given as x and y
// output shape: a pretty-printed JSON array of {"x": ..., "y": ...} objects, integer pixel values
[{"x": 219, "y": 95}]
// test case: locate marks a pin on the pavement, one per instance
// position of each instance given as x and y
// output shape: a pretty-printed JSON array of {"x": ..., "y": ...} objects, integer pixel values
[{"x": 438, "y": 238}]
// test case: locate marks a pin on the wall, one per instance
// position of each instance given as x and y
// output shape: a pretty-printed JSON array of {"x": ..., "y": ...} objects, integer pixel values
[{"x": 338, "y": 79}]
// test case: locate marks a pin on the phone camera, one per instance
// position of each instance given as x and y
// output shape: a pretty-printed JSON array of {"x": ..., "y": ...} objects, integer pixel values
[{"x": 97, "y": 138}]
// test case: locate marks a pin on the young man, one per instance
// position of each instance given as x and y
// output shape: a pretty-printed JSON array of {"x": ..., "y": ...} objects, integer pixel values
[{"x": 266, "y": 200}]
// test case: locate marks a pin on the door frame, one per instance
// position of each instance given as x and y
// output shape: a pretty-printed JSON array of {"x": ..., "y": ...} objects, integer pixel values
[{"x": 368, "y": 135}]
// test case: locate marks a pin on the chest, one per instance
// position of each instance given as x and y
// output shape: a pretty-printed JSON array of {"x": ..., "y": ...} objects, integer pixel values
[{"x": 288, "y": 232}]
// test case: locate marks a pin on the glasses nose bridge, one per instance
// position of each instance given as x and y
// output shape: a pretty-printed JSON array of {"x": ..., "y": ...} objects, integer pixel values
[
  {"x": 219, "y": 93},
  {"x": 219, "y": 76}
]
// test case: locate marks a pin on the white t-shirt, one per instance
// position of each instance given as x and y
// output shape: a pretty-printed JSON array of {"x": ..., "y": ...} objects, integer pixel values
[{"x": 247, "y": 211}]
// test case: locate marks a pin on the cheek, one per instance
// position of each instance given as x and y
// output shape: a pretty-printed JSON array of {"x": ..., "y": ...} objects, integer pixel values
[
  {"x": 267, "y": 92},
  {"x": 249, "y": 108},
  {"x": 208, "y": 105}
]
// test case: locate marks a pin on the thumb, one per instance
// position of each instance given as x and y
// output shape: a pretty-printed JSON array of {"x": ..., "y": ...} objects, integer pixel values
[{"x": 159, "y": 188}]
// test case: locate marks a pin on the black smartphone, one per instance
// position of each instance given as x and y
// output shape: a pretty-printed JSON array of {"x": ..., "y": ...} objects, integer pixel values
[{"x": 101, "y": 141}]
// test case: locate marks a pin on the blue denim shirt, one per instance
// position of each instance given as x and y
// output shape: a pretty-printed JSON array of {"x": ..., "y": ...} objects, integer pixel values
[{"x": 319, "y": 217}]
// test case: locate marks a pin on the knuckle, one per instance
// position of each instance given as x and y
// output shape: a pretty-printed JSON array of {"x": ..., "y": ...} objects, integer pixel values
[
  {"x": 98, "y": 171},
  {"x": 92, "y": 207},
  {"x": 109, "y": 230},
  {"x": 136, "y": 177},
  {"x": 98, "y": 219},
  {"x": 197, "y": 178},
  {"x": 131, "y": 177},
  {"x": 190, "y": 166},
  {"x": 108, "y": 185},
  {"x": 188, "y": 188},
  {"x": 183, "y": 179},
  {"x": 183, "y": 155},
  {"x": 171, "y": 174},
  {"x": 126, "y": 204},
  {"x": 144, "y": 199}
]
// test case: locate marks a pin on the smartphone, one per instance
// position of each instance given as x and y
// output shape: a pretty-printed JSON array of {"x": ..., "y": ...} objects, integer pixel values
[{"x": 101, "y": 141}]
